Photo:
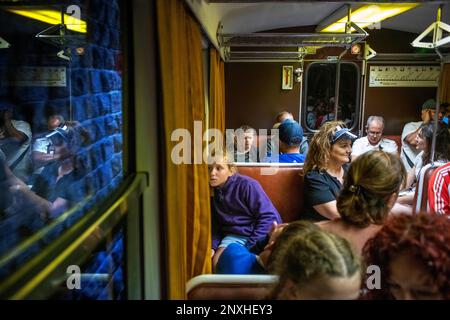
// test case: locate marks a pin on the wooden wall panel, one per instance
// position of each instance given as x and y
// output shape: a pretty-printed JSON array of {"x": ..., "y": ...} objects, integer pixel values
[{"x": 254, "y": 95}]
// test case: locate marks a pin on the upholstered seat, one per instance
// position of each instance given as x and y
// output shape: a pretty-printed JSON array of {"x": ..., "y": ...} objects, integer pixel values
[
  {"x": 230, "y": 287},
  {"x": 284, "y": 186},
  {"x": 420, "y": 204}
]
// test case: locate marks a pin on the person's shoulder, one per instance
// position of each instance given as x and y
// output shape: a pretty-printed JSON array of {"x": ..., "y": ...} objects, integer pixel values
[
  {"x": 441, "y": 172},
  {"x": 314, "y": 175},
  {"x": 412, "y": 125},
  {"x": 244, "y": 180},
  {"x": 361, "y": 140},
  {"x": 22, "y": 126},
  {"x": 444, "y": 167},
  {"x": 20, "y": 123},
  {"x": 336, "y": 226},
  {"x": 50, "y": 168},
  {"x": 291, "y": 158},
  {"x": 389, "y": 142}
]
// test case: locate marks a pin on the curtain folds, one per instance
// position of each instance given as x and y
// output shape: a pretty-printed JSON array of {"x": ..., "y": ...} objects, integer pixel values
[
  {"x": 187, "y": 208},
  {"x": 216, "y": 91}
]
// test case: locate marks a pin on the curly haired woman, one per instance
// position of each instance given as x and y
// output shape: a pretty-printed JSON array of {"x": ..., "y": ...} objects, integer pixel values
[
  {"x": 325, "y": 168},
  {"x": 413, "y": 254}
]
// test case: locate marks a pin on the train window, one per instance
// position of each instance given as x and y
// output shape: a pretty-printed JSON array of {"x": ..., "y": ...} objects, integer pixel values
[
  {"x": 320, "y": 94},
  {"x": 61, "y": 150}
]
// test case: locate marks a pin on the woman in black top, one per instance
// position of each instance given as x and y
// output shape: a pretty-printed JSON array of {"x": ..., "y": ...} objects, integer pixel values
[{"x": 325, "y": 168}]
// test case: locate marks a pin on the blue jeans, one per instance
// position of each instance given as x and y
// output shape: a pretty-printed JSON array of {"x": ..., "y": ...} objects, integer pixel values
[{"x": 233, "y": 238}]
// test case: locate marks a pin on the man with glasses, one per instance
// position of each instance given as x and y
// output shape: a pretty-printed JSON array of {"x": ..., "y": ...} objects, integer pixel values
[{"x": 374, "y": 139}]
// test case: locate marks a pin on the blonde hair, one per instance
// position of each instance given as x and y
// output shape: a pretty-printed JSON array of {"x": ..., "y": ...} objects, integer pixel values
[
  {"x": 320, "y": 147},
  {"x": 302, "y": 253},
  {"x": 370, "y": 182},
  {"x": 223, "y": 157}
]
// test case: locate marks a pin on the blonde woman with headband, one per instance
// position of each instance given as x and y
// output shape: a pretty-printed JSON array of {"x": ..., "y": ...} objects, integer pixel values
[
  {"x": 313, "y": 264},
  {"x": 325, "y": 168},
  {"x": 369, "y": 193}
]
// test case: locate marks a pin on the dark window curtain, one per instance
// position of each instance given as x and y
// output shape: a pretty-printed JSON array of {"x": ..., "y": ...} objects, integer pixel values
[
  {"x": 187, "y": 208},
  {"x": 217, "y": 91}
]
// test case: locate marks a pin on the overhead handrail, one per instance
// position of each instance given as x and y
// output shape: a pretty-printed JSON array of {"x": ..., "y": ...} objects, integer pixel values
[
  {"x": 4, "y": 44},
  {"x": 285, "y": 40},
  {"x": 438, "y": 41},
  {"x": 437, "y": 28}
]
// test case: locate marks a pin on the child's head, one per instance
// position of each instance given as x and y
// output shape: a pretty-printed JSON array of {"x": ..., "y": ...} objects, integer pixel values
[
  {"x": 220, "y": 169},
  {"x": 314, "y": 264}
]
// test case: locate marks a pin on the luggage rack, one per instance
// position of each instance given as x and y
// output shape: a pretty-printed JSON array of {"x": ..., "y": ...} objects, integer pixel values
[
  {"x": 227, "y": 41},
  {"x": 266, "y": 56}
]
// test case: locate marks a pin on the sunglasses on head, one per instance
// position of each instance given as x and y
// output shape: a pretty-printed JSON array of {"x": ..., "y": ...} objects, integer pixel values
[{"x": 342, "y": 132}]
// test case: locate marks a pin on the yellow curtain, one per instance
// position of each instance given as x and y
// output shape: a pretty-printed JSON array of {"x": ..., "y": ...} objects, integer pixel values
[
  {"x": 187, "y": 208},
  {"x": 445, "y": 85},
  {"x": 216, "y": 91}
]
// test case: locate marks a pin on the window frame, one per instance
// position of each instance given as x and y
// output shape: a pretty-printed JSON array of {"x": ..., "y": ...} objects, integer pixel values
[
  {"x": 304, "y": 110},
  {"x": 40, "y": 275}
]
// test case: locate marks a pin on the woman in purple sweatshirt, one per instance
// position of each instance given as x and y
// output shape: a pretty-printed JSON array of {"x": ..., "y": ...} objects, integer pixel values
[{"x": 241, "y": 211}]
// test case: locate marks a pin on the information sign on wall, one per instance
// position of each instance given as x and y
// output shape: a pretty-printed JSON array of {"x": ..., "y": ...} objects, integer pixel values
[{"x": 404, "y": 76}]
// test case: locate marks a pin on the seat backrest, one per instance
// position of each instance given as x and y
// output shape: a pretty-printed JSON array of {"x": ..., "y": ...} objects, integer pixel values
[
  {"x": 230, "y": 287},
  {"x": 284, "y": 188},
  {"x": 420, "y": 203},
  {"x": 398, "y": 141}
]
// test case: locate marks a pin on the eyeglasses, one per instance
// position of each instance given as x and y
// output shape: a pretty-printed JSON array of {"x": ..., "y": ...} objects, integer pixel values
[{"x": 372, "y": 133}]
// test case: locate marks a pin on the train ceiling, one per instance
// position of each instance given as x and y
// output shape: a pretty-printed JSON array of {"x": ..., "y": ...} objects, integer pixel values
[{"x": 256, "y": 16}]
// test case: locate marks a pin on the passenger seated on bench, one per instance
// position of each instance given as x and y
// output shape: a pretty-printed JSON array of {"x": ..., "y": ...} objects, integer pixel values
[
  {"x": 438, "y": 191},
  {"x": 290, "y": 136},
  {"x": 413, "y": 254},
  {"x": 411, "y": 130},
  {"x": 281, "y": 117},
  {"x": 244, "y": 148},
  {"x": 241, "y": 211},
  {"x": 15, "y": 141},
  {"x": 370, "y": 190},
  {"x": 423, "y": 142},
  {"x": 55, "y": 189},
  {"x": 7, "y": 179},
  {"x": 315, "y": 265},
  {"x": 325, "y": 169},
  {"x": 42, "y": 153},
  {"x": 374, "y": 139},
  {"x": 238, "y": 259}
]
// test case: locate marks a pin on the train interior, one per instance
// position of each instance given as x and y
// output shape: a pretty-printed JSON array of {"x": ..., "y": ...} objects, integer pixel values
[{"x": 134, "y": 90}]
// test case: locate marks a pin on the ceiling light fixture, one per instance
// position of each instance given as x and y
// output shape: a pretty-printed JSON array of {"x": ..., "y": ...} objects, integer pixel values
[
  {"x": 366, "y": 16},
  {"x": 53, "y": 17}
]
